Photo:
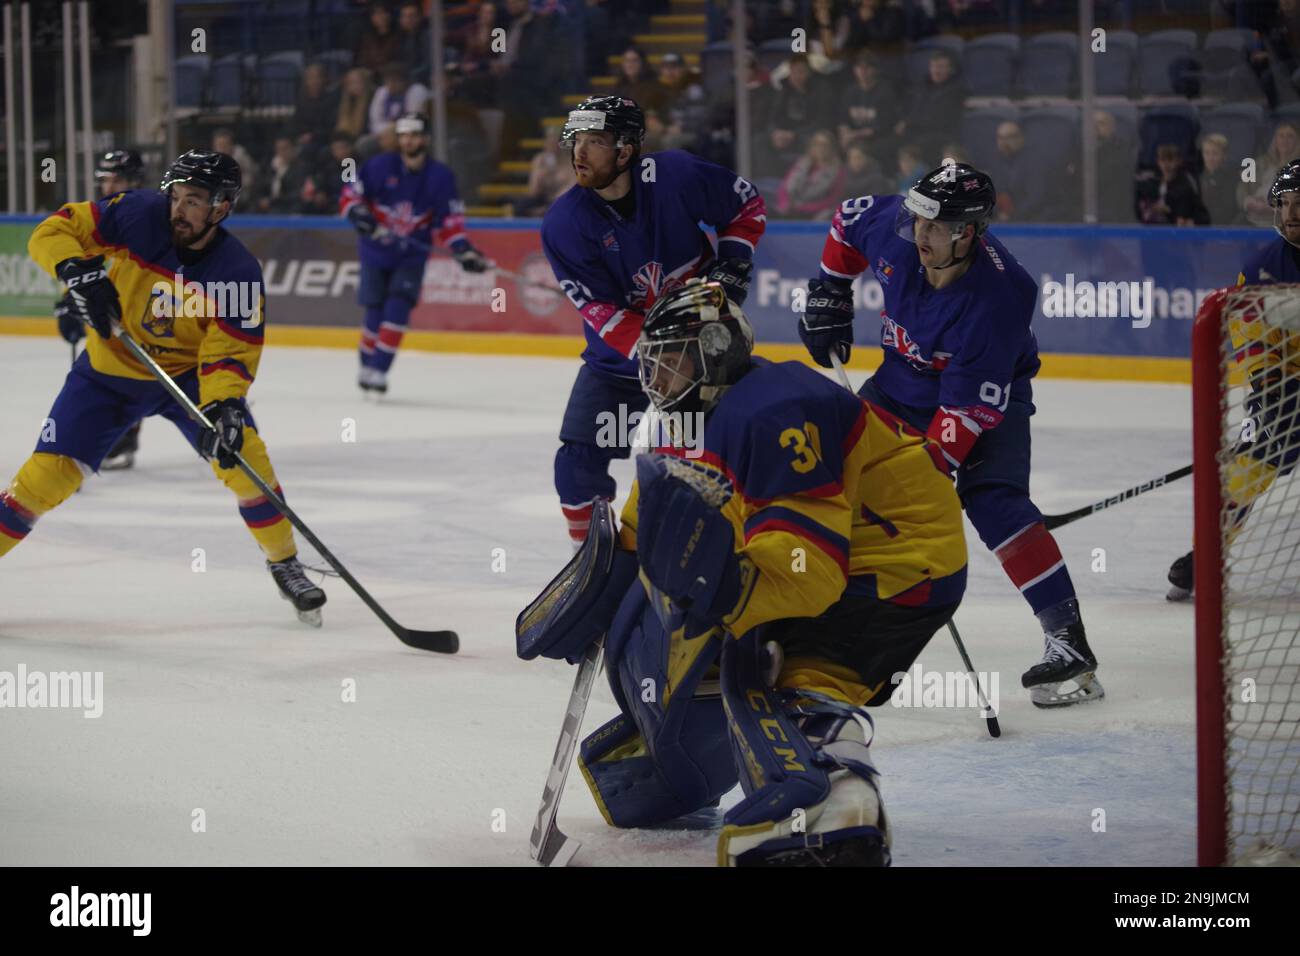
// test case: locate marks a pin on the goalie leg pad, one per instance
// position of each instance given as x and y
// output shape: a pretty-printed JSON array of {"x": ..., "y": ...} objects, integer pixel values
[
  {"x": 577, "y": 607},
  {"x": 668, "y": 753}
]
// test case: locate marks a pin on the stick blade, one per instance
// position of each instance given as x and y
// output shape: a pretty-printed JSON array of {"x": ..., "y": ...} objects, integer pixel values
[
  {"x": 556, "y": 849},
  {"x": 440, "y": 642}
]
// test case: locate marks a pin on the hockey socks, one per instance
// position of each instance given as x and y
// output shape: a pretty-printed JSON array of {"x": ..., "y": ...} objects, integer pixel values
[{"x": 1033, "y": 562}]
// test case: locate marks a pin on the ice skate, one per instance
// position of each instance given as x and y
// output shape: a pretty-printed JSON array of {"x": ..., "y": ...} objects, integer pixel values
[
  {"x": 1181, "y": 579},
  {"x": 306, "y": 597},
  {"x": 1067, "y": 659},
  {"x": 372, "y": 382}
]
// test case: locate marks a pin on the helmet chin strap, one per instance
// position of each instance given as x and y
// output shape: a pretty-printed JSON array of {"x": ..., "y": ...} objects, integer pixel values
[
  {"x": 953, "y": 260},
  {"x": 612, "y": 177}
]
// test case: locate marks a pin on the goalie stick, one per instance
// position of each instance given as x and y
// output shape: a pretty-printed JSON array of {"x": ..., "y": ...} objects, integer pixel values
[
  {"x": 548, "y": 845},
  {"x": 442, "y": 642},
  {"x": 990, "y": 717}
]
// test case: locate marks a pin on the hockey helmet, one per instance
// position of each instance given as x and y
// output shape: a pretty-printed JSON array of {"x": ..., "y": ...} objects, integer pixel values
[
  {"x": 616, "y": 114},
  {"x": 1286, "y": 181},
  {"x": 216, "y": 172},
  {"x": 120, "y": 162},
  {"x": 694, "y": 343}
]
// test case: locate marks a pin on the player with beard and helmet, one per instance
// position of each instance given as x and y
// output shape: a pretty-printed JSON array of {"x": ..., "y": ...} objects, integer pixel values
[
  {"x": 397, "y": 202},
  {"x": 115, "y": 172},
  {"x": 626, "y": 234},
  {"x": 1270, "y": 360},
  {"x": 162, "y": 266},
  {"x": 769, "y": 588},
  {"x": 959, "y": 359}
]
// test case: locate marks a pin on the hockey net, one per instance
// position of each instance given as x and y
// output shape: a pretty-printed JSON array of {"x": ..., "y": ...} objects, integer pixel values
[{"x": 1246, "y": 427}]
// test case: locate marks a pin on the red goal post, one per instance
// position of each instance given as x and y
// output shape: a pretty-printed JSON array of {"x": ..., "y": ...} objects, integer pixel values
[{"x": 1246, "y": 438}]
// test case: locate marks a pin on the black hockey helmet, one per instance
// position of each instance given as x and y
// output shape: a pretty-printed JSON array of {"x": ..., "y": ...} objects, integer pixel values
[
  {"x": 216, "y": 172},
  {"x": 616, "y": 114},
  {"x": 695, "y": 342},
  {"x": 954, "y": 193},
  {"x": 1287, "y": 180},
  {"x": 120, "y": 162}
]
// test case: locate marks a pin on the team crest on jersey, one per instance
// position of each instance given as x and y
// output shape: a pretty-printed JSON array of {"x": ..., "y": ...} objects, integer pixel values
[
  {"x": 884, "y": 270},
  {"x": 650, "y": 283},
  {"x": 894, "y": 336},
  {"x": 610, "y": 242},
  {"x": 160, "y": 326}
]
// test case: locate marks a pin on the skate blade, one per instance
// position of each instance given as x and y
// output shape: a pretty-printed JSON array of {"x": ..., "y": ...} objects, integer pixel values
[
  {"x": 1177, "y": 594},
  {"x": 120, "y": 463},
  {"x": 1087, "y": 688},
  {"x": 857, "y": 846},
  {"x": 312, "y": 617}
]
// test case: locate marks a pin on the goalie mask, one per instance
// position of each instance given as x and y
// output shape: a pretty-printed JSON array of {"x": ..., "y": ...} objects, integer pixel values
[
  {"x": 956, "y": 194},
  {"x": 1287, "y": 181},
  {"x": 694, "y": 344}
]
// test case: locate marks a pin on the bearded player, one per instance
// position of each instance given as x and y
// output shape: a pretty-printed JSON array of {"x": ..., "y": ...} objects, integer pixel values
[{"x": 625, "y": 235}]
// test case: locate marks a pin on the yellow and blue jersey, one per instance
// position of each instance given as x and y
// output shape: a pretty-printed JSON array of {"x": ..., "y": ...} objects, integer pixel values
[
  {"x": 210, "y": 315},
  {"x": 1258, "y": 346},
  {"x": 832, "y": 496}
]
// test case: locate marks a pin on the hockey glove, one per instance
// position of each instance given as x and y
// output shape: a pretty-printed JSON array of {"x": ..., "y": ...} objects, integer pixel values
[
  {"x": 70, "y": 327},
  {"x": 92, "y": 300},
  {"x": 684, "y": 545},
  {"x": 226, "y": 436},
  {"x": 362, "y": 219},
  {"x": 734, "y": 276},
  {"x": 827, "y": 321},
  {"x": 470, "y": 259}
]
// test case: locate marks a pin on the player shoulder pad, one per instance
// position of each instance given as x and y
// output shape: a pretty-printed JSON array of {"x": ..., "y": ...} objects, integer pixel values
[{"x": 576, "y": 608}]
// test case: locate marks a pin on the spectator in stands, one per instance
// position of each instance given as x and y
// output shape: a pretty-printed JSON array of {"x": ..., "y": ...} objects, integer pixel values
[
  {"x": 1276, "y": 51},
  {"x": 814, "y": 186},
  {"x": 774, "y": 20},
  {"x": 379, "y": 44},
  {"x": 911, "y": 166},
  {"x": 1218, "y": 183},
  {"x": 1116, "y": 158},
  {"x": 398, "y": 95},
  {"x": 637, "y": 81},
  {"x": 796, "y": 111},
  {"x": 685, "y": 112},
  {"x": 413, "y": 40},
  {"x": 354, "y": 103},
  {"x": 473, "y": 80},
  {"x": 871, "y": 110},
  {"x": 1253, "y": 196},
  {"x": 1024, "y": 187},
  {"x": 865, "y": 177},
  {"x": 936, "y": 108},
  {"x": 526, "y": 72},
  {"x": 317, "y": 109},
  {"x": 827, "y": 31},
  {"x": 1169, "y": 197},
  {"x": 325, "y": 182},
  {"x": 286, "y": 175},
  {"x": 877, "y": 25},
  {"x": 223, "y": 141},
  {"x": 550, "y": 174}
]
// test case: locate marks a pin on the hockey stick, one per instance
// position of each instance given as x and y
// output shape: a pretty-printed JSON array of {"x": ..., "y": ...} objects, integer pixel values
[
  {"x": 1055, "y": 521},
  {"x": 991, "y": 718},
  {"x": 548, "y": 845},
  {"x": 443, "y": 642}
]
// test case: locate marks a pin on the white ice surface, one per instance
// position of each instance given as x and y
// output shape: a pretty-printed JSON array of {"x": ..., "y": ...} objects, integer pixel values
[{"x": 217, "y": 698}]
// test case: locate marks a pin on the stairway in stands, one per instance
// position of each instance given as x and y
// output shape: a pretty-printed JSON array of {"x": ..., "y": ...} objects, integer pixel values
[{"x": 681, "y": 31}]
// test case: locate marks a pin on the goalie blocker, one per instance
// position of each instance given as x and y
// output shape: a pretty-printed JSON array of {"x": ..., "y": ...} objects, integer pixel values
[{"x": 728, "y": 664}]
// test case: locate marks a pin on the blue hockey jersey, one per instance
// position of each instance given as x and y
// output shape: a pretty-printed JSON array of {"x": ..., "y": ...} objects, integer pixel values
[
  {"x": 613, "y": 269},
  {"x": 965, "y": 350},
  {"x": 408, "y": 206},
  {"x": 1276, "y": 262}
]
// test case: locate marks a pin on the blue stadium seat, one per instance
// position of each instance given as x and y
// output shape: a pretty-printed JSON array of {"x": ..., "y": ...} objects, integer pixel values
[
  {"x": 979, "y": 129},
  {"x": 1049, "y": 64},
  {"x": 1177, "y": 123},
  {"x": 1126, "y": 118},
  {"x": 191, "y": 78},
  {"x": 989, "y": 63},
  {"x": 278, "y": 76},
  {"x": 918, "y": 59},
  {"x": 1051, "y": 133},
  {"x": 1113, "y": 69},
  {"x": 1242, "y": 123},
  {"x": 772, "y": 53},
  {"x": 1159, "y": 51},
  {"x": 226, "y": 81},
  {"x": 1234, "y": 39}
]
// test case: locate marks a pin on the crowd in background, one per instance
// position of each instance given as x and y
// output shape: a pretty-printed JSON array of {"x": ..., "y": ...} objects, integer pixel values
[{"x": 840, "y": 118}]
